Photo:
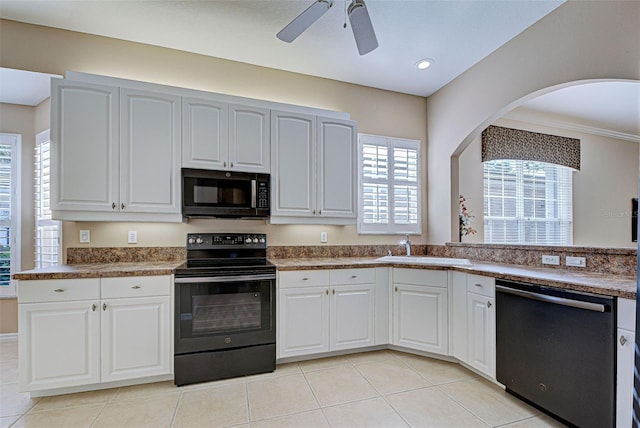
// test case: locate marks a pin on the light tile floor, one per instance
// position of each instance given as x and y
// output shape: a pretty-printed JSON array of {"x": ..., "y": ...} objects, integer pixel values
[{"x": 373, "y": 389}]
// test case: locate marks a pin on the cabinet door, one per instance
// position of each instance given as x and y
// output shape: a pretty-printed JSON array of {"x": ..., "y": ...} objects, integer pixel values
[
  {"x": 481, "y": 333},
  {"x": 303, "y": 321},
  {"x": 84, "y": 149},
  {"x": 352, "y": 316},
  {"x": 420, "y": 318},
  {"x": 135, "y": 338},
  {"x": 336, "y": 192},
  {"x": 149, "y": 152},
  {"x": 624, "y": 401},
  {"x": 205, "y": 134},
  {"x": 293, "y": 178},
  {"x": 59, "y": 344},
  {"x": 249, "y": 148},
  {"x": 459, "y": 315}
]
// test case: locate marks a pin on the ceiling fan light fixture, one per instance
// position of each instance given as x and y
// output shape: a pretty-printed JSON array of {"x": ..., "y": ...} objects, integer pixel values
[
  {"x": 425, "y": 63},
  {"x": 304, "y": 20},
  {"x": 362, "y": 27}
]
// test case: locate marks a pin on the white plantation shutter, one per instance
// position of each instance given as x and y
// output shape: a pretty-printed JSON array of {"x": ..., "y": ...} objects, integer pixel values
[
  {"x": 389, "y": 185},
  {"x": 9, "y": 212},
  {"x": 47, "y": 232},
  {"x": 527, "y": 202}
]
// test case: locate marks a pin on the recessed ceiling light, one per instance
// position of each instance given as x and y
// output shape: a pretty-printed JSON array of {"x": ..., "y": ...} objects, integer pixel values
[{"x": 423, "y": 64}]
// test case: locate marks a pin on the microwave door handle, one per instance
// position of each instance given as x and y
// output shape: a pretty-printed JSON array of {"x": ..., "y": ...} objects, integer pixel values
[{"x": 253, "y": 193}]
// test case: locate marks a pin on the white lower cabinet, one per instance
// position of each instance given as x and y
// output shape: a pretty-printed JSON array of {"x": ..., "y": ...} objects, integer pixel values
[
  {"x": 322, "y": 311},
  {"x": 420, "y": 310},
  {"x": 71, "y": 335},
  {"x": 135, "y": 337},
  {"x": 626, "y": 341},
  {"x": 481, "y": 340}
]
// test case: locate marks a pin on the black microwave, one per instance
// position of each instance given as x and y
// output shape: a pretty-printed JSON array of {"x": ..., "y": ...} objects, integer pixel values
[{"x": 224, "y": 194}]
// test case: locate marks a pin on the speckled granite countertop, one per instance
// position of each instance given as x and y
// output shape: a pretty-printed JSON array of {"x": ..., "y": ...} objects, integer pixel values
[
  {"x": 611, "y": 285},
  {"x": 598, "y": 283},
  {"x": 100, "y": 270}
]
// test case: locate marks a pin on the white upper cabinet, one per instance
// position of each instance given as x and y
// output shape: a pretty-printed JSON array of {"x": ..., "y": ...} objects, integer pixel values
[
  {"x": 222, "y": 136},
  {"x": 205, "y": 133},
  {"x": 85, "y": 123},
  {"x": 336, "y": 191},
  {"x": 249, "y": 148},
  {"x": 314, "y": 169},
  {"x": 149, "y": 152},
  {"x": 115, "y": 153},
  {"x": 293, "y": 142}
]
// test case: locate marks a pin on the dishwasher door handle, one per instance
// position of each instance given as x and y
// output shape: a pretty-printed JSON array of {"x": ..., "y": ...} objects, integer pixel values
[{"x": 596, "y": 307}]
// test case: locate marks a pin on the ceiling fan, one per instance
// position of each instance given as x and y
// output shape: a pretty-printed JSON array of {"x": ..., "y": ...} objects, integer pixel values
[{"x": 363, "y": 32}]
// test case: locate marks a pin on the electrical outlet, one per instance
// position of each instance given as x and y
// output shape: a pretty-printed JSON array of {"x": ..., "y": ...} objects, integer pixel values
[
  {"x": 551, "y": 260},
  {"x": 576, "y": 261},
  {"x": 85, "y": 236},
  {"x": 132, "y": 237},
  {"x": 323, "y": 237}
]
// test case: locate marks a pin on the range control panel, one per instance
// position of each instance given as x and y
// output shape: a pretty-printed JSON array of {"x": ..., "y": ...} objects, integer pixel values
[{"x": 206, "y": 241}]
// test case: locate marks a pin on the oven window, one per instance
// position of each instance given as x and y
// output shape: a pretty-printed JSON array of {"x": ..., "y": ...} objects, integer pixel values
[
  {"x": 217, "y": 193},
  {"x": 226, "y": 312}
]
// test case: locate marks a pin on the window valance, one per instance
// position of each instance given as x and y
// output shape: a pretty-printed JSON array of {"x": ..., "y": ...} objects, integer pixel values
[{"x": 508, "y": 143}]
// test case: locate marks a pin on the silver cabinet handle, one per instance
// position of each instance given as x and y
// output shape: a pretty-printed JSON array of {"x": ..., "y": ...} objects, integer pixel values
[
  {"x": 477, "y": 285},
  {"x": 231, "y": 164},
  {"x": 305, "y": 279},
  {"x": 224, "y": 164},
  {"x": 136, "y": 287},
  {"x": 319, "y": 212},
  {"x": 314, "y": 212},
  {"x": 122, "y": 206},
  {"x": 59, "y": 290},
  {"x": 623, "y": 340},
  {"x": 113, "y": 205},
  {"x": 93, "y": 307},
  {"x": 396, "y": 289},
  {"x": 104, "y": 306},
  {"x": 488, "y": 304},
  {"x": 354, "y": 276},
  {"x": 327, "y": 291},
  {"x": 334, "y": 291}
]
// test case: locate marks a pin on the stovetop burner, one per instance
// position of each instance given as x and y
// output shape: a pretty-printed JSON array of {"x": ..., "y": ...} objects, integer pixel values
[{"x": 216, "y": 254}]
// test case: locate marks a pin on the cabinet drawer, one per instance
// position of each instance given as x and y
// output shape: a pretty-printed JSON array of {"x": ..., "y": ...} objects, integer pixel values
[
  {"x": 58, "y": 290},
  {"x": 434, "y": 278},
  {"x": 483, "y": 285},
  {"x": 303, "y": 278},
  {"x": 627, "y": 314},
  {"x": 352, "y": 276},
  {"x": 135, "y": 286}
]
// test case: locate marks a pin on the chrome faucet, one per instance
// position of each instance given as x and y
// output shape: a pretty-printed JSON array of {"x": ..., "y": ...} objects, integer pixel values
[{"x": 407, "y": 244}]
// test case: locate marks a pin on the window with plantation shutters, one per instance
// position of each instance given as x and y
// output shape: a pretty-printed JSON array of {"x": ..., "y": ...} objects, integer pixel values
[
  {"x": 9, "y": 212},
  {"x": 47, "y": 232},
  {"x": 527, "y": 202},
  {"x": 389, "y": 185}
]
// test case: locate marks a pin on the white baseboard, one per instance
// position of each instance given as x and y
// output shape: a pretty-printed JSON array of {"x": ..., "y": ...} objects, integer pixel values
[{"x": 8, "y": 337}]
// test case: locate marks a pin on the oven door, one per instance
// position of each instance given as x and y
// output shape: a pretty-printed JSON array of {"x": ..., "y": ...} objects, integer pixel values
[{"x": 225, "y": 312}]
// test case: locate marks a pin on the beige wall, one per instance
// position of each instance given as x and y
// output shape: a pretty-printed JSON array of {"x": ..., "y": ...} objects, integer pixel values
[
  {"x": 578, "y": 41},
  {"x": 602, "y": 189},
  {"x": 42, "y": 49}
]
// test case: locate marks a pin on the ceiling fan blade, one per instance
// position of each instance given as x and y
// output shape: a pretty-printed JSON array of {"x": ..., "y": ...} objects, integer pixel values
[
  {"x": 362, "y": 27},
  {"x": 304, "y": 20}
]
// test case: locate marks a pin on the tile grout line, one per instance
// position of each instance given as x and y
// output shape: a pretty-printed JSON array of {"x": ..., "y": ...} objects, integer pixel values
[
  {"x": 175, "y": 410},
  {"x": 304, "y": 375}
]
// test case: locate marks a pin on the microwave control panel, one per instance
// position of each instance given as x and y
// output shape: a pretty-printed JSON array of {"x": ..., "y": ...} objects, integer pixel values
[{"x": 263, "y": 194}]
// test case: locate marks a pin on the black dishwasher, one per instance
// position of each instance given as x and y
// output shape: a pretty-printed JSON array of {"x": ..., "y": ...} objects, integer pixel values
[{"x": 556, "y": 350}]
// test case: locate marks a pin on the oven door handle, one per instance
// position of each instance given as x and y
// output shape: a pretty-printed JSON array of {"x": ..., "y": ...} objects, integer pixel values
[
  {"x": 214, "y": 279},
  {"x": 553, "y": 299}
]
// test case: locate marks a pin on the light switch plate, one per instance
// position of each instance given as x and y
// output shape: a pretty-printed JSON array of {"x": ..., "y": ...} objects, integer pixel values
[
  {"x": 85, "y": 236},
  {"x": 323, "y": 237},
  {"x": 551, "y": 260},
  {"x": 132, "y": 237},
  {"x": 576, "y": 261}
]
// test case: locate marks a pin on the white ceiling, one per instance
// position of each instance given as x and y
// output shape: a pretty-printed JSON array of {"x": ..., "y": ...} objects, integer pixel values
[
  {"x": 22, "y": 87},
  {"x": 456, "y": 34}
]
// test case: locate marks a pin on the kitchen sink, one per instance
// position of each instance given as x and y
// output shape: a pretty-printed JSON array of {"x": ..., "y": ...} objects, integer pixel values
[{"x": 424, "y": 260}]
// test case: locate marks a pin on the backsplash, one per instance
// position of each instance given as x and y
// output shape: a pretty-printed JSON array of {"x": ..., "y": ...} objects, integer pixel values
[
  {"x": 617, "y": 261},
  {"x": 125, "y": 254},
  {"x": 309, "y": 251}
]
